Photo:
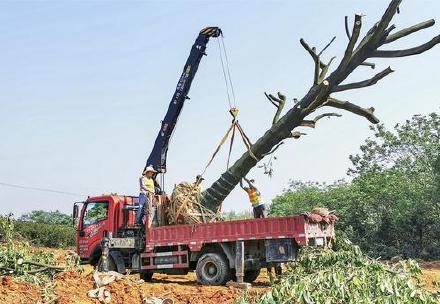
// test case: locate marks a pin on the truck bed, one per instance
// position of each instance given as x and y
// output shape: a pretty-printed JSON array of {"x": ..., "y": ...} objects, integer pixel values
[{"x": 297, "y": 227}]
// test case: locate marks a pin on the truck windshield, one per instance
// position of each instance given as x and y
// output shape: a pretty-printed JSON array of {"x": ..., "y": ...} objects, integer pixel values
[{"x": 95, "y": 212}]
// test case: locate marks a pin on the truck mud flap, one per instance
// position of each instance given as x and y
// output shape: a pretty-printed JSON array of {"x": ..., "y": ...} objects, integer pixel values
[{"x": 119, "y": 261}]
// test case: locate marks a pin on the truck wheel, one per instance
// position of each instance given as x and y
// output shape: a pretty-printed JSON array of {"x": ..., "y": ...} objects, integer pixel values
[
  {"x": 212, "y": 269},
  {"x": 251, "y": 275},
  {"x": 146, "y": 276}
]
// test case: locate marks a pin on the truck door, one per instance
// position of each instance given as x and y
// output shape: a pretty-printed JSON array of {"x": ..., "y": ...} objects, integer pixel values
[{"x": 94, "y": 221}]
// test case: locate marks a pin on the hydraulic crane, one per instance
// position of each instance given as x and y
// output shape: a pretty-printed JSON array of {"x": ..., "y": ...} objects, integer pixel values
[{"x": 158, "y": 156}]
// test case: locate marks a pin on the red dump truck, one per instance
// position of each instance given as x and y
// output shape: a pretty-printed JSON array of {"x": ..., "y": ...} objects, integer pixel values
[{"x": 217, "y": 251}]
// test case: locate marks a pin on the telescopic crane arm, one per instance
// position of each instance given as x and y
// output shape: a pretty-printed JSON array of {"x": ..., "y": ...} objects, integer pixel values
[{"x": 158, "y": 156}]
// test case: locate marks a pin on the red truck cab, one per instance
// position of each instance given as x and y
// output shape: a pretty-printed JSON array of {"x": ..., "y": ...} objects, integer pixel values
[
  {"x": 216, "y": 251},
  {"x": 98, "y": 216}
]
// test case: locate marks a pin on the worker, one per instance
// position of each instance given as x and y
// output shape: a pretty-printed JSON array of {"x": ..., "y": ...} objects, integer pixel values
[
  {"x": 254, "y": 197},
  {"x": 146, "y": 194}
]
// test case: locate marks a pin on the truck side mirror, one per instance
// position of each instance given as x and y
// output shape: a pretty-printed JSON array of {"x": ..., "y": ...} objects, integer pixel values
[{"x": 75, "y": 219}]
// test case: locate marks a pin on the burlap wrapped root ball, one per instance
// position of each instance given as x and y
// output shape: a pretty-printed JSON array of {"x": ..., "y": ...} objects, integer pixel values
[{"x": 185, "y": 207}]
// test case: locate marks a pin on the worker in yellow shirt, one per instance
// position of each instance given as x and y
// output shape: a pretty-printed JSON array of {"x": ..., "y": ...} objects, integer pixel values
[
  {"x": 146, "y": 194},
  {"x": 254, "y": 197}
]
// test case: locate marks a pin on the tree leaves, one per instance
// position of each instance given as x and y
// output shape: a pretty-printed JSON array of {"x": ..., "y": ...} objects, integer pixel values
[
  {"x": 392, "y": 205},
  {"x": 346, "y": 276}
]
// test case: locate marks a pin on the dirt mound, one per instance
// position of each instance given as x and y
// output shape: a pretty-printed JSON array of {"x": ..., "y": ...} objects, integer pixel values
[
  {"x": 73, "y": 287},
  {"x": 17, "y": 292}
]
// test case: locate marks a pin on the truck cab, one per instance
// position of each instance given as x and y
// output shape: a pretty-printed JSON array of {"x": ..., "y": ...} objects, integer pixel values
[{"x": 100, "y": 216}]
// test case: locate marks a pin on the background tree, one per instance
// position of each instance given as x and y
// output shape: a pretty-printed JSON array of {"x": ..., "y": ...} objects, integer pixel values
[
  {"x": 47, "y": 217},
  {"x": 392, "y": 205},
  {"x": 357, "y": 52}
]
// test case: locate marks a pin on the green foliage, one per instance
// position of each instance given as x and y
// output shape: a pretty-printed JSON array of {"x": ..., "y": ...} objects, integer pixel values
[
  {"x": 346, "y": 276},
  {"x": 232, "y": 215},
  {"x": 412, "y": 146},
  {"x": 40, "y": 228},
  {"x": 47, "y": 217},
  {"x": 19, "y": 260},
  {"x": 392, "y": 205},
  {"x": 47, "y": 235}
]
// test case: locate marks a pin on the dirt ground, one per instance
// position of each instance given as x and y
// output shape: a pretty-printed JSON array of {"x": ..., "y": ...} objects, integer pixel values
[
  {"x": 72, "y": 287},
  {"x": 431, "y": 274}
]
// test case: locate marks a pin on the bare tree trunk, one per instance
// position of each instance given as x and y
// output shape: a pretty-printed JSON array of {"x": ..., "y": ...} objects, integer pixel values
[{"x": 319, "y": 94}]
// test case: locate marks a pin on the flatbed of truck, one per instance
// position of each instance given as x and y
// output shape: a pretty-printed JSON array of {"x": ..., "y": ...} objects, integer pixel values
[{"x": 297, "y": 227}]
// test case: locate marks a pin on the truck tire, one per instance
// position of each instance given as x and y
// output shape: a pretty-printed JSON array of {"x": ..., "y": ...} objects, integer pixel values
[
  {"x": 212, "y": 269},
  {"x": 251, "y": 275},
  {"x": 146, "y": 276}
]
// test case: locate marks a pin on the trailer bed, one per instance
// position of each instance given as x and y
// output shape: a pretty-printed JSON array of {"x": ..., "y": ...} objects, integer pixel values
[{"x": 297, "y": 227}]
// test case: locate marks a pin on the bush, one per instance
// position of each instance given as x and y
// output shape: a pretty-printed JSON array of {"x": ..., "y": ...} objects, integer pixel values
[
  {"x": 346, "y": 276},
  {"x": 47, "y": 235},
  {"x": 46, "y": 217}
]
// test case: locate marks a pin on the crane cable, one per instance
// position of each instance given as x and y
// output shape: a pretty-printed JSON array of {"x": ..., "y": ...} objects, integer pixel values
[
  {"x": 228, "y": 82},
  {"x": 233, "y": 110}
]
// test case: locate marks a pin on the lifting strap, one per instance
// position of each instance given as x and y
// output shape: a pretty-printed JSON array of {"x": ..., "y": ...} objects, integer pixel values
[{"x": 234, "y": 125}]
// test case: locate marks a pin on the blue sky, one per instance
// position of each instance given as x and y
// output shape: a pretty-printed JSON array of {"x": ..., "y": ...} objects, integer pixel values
[{"x": 84, "y": 85}]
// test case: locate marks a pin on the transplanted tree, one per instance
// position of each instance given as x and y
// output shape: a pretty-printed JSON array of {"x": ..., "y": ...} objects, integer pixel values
[{"x": 357, "y": 53}]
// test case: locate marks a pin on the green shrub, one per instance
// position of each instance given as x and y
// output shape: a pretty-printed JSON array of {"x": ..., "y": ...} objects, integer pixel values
[
  {"x": 47, "y": 235},
  {"x": 346, "y": 276}
]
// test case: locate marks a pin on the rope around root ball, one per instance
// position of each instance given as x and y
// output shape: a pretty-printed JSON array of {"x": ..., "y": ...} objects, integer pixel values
[{"x": 185, "y": 207}]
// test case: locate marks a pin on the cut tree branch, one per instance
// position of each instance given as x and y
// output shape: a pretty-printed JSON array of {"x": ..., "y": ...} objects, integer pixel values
[
  {"x": 353, "y": 108},
  {"x": 352, "y": 42},
  {"x": 380, "y": 32},
  {"x": 271, "y": 98},
  {"x": 273, "y": 150},
  {"x": 376, "y": 33},
  {"x": 365, "y": 83},
  {"x": 347, "y": 31},
  {"x": 278, "y": 103},
  {"x": 311, "y": 52},
  {"x": 328, "y": 44},
  {"x": 324, "y": 70},
  {"x": 312, "y": 123},
  {"x": 408, "y": 52},
  {"x": 409, "y": 30},
  {"x": 317, "y": 69},
  {"x": 388, "y": 31},
  {"x": 321, "y": 69},
  {"x": 296, "y": 134},
  {"x": 370, "y": 64}
]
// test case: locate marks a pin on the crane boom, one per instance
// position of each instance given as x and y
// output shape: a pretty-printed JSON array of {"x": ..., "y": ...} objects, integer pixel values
[{"x": 158, "y": 155}]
